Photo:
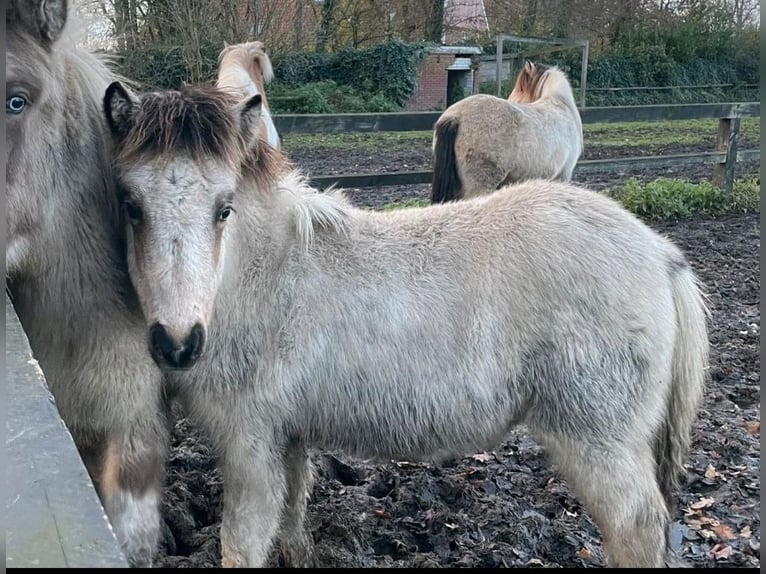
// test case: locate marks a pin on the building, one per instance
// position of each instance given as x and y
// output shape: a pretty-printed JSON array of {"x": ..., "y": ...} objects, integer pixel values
[{"x": 446, "y": 75}]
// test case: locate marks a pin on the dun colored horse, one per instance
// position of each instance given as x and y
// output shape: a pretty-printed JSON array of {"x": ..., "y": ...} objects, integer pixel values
[
  {"x": 292, "y": 319},
  {"x": 247, "y": 68},
  {"x": 484, "y": 142},
  {"x": 66, "y": 270}
]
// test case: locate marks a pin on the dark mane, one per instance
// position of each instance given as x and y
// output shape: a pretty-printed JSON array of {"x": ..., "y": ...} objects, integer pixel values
[{"x": 198, "y": 120}]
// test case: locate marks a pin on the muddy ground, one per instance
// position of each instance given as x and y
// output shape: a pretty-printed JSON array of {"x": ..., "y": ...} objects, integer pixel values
[{"x": 508, "y": 507}]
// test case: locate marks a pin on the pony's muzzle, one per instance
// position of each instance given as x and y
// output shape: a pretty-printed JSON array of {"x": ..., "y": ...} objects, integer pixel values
[{"x": 174, "y": 352}]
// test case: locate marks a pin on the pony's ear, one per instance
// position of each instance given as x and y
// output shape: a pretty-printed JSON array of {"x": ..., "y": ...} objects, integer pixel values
[
  {"x": 43, "y": 19},
  {"x": 249, "y": 112},
  {"x": 51, "y": 18},
  {"x": 225, "y": 44},
  {"x": 120, "y": 108},
  {"x": 529, "y": 66}
]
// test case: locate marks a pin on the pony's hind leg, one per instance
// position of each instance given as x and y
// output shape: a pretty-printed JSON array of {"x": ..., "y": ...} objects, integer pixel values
[
  {"x": 295, "y": 541},
  {"x": 618, "y": 487},
  {"x": 480, "y": 174}
]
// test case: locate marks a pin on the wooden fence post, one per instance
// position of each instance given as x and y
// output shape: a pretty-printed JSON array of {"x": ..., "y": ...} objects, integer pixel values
[
  {"x": 723, "y": 173},
  {"x": 499, "y": 65},
  {"x": 584, "y": 73}
]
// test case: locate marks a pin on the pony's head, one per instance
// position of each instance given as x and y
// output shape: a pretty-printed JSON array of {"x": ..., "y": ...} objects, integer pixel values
[
  {"x": 538, "y": 81},
  {"x": 34, "y": 100},
  {"x": 179, "y": 156},
  {"x": 250, "y": 55},
  {"x": 529, "y": 83}
]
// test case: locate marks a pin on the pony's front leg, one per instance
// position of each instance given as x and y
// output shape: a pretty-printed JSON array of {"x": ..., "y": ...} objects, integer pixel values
[
  {"x": 296, "y": 543},
  {"x": 128, "y": 471},
  {"x": 254, "y": 493}
]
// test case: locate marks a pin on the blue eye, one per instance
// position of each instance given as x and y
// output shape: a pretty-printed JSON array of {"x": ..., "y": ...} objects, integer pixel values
[{"x": 15, "y": 104}]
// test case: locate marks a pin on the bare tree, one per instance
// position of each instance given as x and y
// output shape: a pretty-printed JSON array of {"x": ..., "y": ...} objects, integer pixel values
[
  {"x": 434, "y": 20},
  {"x": 327, "y": 25}
]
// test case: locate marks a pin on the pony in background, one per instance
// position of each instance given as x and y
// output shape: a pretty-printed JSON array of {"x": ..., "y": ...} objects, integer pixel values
[
  {"x": 484, "y": 142},
  {"x": 247, "y": 68}
]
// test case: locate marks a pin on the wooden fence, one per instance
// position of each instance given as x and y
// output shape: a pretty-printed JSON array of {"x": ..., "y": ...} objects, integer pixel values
[
  {"x": 53, "y": 516},
  {"x": 723, "y": 159}
]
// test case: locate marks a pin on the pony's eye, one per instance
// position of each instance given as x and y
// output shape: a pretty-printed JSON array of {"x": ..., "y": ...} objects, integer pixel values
[
  {"x": 15, "y": 104},
  {"x": 224, "y": 214},
  {"x": 134, "y": 213}
]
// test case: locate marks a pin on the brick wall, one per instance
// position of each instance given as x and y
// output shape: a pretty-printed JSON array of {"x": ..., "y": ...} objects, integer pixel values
[{"x": 431, "y": 90}]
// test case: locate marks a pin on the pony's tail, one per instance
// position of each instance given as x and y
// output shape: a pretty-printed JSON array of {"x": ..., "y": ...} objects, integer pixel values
[
  {"x": 690, "y": 360},
  {"x": 445, "y": 185}
]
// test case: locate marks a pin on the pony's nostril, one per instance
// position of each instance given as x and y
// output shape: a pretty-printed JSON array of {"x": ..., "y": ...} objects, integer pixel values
[
  {"x": 196, "y": 341},
  {"x": 160, "y": 343},
  {"x": 176, "y": 353}
]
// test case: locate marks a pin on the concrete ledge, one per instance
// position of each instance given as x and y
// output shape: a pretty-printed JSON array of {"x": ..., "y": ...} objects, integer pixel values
[{"x": 52, "y": 512}]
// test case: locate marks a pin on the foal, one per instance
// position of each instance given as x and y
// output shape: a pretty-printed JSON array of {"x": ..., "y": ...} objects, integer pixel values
[
  {"x": 484, "y": 142},
  {"x": 292, "y": 317}
]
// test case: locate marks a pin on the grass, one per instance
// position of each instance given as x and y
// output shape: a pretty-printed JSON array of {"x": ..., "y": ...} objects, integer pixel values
[
  {"x": 634, "y": 134},
  {"x": 665, "y": 198},
  {"x": 681, "y": 132}
]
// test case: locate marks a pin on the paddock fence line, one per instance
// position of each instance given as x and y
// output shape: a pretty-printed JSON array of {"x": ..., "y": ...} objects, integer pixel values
[
  {"x": 723, "y": 159},
  {"x": 53, "y": 516}
]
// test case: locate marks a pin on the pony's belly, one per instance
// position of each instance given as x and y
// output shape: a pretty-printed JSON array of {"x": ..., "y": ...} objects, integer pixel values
[{"x": 407, "y": 423}]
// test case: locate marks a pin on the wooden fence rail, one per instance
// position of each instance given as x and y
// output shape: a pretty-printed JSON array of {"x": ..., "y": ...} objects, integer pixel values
[{"x": 723, "y": 159}]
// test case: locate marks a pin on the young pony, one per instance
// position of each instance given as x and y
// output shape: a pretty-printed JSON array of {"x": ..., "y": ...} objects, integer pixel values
[
  {"x": 66, "y": 270},
  {"x": 484, "y": 142},
  {"x": 247, "y": 68},
  {"x": 293, "y": 319}
]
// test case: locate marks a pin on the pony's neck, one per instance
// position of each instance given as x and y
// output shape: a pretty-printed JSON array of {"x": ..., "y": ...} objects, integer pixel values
[
  {"x": 558, "y": 88},
  {"x": 284, "y": 219},
  {"x": 77, "y": 256},
  {"x": 239, "y": 76},
  {"x": 236, "y": 75}
]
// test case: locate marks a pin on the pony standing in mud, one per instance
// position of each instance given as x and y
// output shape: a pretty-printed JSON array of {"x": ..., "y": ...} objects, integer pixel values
[
  {"x": 247, "y": 68},
  {"x": 294, "y": 320},
  {"x": 484, "y": 142},
  {"x": 66, "y": 270}
]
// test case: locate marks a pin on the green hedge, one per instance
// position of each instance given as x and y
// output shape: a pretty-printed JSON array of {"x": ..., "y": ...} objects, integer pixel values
[
  {"x": 380, "y": 78},
  {"x": 704, "y": 48},
  {"x": 325, "y": 97},
  {"x": 389, "y": 70}
]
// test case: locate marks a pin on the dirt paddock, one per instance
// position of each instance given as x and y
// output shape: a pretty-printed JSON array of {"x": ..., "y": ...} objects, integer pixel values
[{"x": 508, "y": 507}]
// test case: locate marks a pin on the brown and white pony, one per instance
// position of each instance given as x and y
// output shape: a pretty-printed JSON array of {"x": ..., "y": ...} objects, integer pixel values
[
  {"x": 484, "y": 142},
  {"x": 247, "y": 68}
]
